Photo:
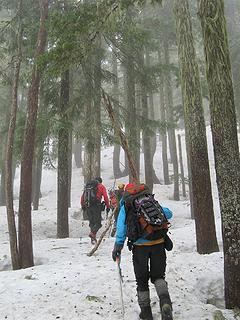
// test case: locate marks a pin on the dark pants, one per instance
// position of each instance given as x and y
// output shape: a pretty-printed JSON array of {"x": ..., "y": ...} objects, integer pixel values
[
  {"x": 94, "y": 217},
  {"x": 141, "y": 256}
]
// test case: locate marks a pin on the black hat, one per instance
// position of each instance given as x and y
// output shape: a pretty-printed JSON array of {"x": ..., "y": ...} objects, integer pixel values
[{"x": 99, "y": 179}]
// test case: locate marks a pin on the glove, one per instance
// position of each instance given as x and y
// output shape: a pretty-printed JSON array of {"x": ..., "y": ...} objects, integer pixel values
[
  {"x": 116, "y": 253},
  {"x": 107, "y": 210}
]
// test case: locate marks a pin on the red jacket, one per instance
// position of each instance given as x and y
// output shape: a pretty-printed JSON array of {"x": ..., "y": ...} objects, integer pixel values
[{"x": 101, "y": 193}]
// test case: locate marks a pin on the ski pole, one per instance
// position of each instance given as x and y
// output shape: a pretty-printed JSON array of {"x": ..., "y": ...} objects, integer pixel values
[{"x": 120, "y": 285}]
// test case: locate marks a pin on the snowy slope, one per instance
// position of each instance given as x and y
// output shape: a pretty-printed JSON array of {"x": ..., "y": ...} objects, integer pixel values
[{"x": 66, "y": 284}]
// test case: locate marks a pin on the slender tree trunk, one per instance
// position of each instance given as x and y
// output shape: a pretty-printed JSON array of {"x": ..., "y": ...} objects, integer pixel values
[
  {"x": 190, "y": 188},
  {"x": 126, "y": 168},
  {"x": 37, "y": 177},
  {"x": 117, "y": 148},
  {"x": 171, "y": 131},
  {"x": 3, "y": 177},
  {"x": 97, "y": 111},
  {"x": 25, "y": 219},
  {"x": 181, "y": 166},
  {"x": 153, "y": 137},
  {"x": 132, "y": 130},
  {"x": 163, "y": 130},
  {"x": 146, "y": 137},
  {"x": 70, "y": 148},
  {"x": 195, "y": 132},
  {"x": 89, "y": 137},
  {"x": 77, "y": 151},
  {"x": 63, "y": 161},
  {"x": 225, "y": 140}
]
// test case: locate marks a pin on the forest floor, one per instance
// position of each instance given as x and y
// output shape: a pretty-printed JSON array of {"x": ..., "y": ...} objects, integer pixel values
[{"x": 66, "y": 284}]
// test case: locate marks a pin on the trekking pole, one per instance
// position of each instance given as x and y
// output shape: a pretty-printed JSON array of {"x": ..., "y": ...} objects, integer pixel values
[{"x": 120, "y": 286}]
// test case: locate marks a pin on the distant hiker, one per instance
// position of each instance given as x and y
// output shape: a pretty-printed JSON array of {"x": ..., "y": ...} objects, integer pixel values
[
  {"x": 115, "y": 197},
  {"x": 91, "y": 199},
  {"x": 144, "y": 222}
]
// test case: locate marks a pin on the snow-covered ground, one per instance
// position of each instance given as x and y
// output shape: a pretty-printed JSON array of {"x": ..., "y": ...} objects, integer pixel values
[{"x": 66, "y": 284}]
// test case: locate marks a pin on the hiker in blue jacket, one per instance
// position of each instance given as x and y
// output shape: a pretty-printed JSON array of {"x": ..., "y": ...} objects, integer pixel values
[{"x": 145, "y": 250}]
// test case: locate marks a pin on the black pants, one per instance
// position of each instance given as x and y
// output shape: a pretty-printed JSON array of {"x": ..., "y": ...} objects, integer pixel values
[
  {"x": 142, "y": 255},
  {"x": 94, "y": 217}
]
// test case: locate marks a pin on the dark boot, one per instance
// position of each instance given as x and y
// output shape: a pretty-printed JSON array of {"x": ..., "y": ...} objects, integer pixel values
[
  {"x": 165, "y": 301},
  {"x": 92, "y": 235},
  {"x": 144, "y": 303}
]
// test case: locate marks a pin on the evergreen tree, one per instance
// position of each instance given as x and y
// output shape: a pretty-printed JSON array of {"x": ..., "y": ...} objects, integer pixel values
[
  {"x": 195, "y": 132},
  {"x": 225, "y": 141}
]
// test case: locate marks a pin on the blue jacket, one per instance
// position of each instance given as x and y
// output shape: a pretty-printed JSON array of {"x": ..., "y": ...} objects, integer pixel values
[{"x": 122, "y": 227}]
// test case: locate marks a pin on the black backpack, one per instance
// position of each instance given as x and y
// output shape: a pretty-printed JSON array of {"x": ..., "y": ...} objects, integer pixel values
[
  {"x": 90, "y": 193},
  {"x": 144, "y": 217}
]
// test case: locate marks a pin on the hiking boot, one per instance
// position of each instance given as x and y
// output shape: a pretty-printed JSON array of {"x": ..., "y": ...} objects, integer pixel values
[
  {"x": 146, "y": 313},
  {"x": 92, "y": 235},
  {"x": 166, "y": 311},
  {"x": 144, "y": 304},
  {"x": 164, "y": 298}
]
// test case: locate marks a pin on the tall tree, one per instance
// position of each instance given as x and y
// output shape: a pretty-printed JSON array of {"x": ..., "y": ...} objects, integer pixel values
[
  {"x": 10, "y": 142},
  {"x": 25, "y": 220},
  {"x": 148, "y": 164},
  {"x": 117, "y": 148},
  {"x": 164, "y": 130},
  {"x": 195, "y": 131},
  {"x": 225, "y": 141},
  {"x": 97, "y": 76},
  {"x": 170, "y": 119},
  {"x": 63, "y": 160}
]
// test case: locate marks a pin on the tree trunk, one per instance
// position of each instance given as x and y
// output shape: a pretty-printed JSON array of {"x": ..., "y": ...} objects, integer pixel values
[
  {"x": 171, "y": 131},
  {"x": 77, "y": 151},
  {"x": 117, "y": 148},
  {"x": 148, "y": 165},
  {"x": 190, "y": 188},
  {"x": 131, "y": 123},
  {"x": 181, "y": 166},
  {"x": 153, "y": 137},
  {"x": 25, "y": 219},
  {"x": 63, "y": 161},
  {"x": 37, "y": 177},
  {"x": 70, "y": 147},
  {"x": 225, "y": 140},
  {"x": 97, "y": 110},
  {"x": 89, "y": 137},
  {"x": 163, "y": 130},
  {"x": 195, "y": 132},
  {"x": 3, "y": 178}
]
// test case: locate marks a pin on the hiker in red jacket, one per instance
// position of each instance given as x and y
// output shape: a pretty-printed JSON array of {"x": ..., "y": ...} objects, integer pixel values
[{"x": 91, "y": 200}]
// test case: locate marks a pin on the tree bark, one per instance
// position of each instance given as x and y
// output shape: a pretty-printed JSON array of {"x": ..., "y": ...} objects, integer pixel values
[
  {"x": 77, "y": 150},
  {"x": 148, "y": 165},
  {"x": 225, "y": 140},
  {"x": 131, "y": 123},
  {"x": 153, "y": 137},
  {"x": 25, "y": 220},
  {"x": 89, "y": 138},
  {"x": 97, "y": 108},
  {"x": 181, "y": 166},
  {"x": 63, "y": 161},
  {"x": 117, "y": 148},
  {"x": 70, "y": 147},
  {"x": 171, "y": 130},
  {"x": 37, "y": 177},
  {"x": 195, "y": 132},
  {"x": 163, "y": 130}
]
